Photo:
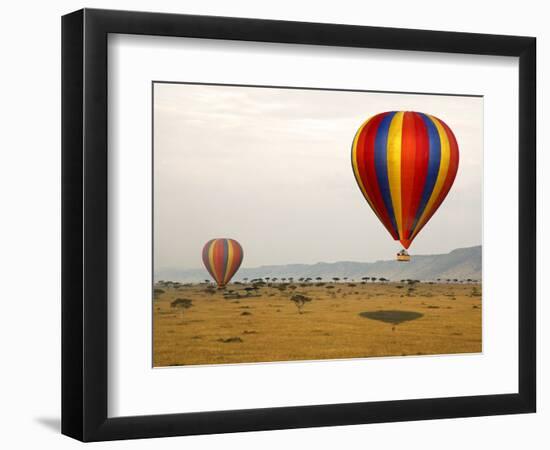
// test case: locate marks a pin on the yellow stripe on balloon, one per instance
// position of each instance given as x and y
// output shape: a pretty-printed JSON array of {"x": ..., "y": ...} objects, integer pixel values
[
  {"x": 441, "y": 175},
  {"x": 356, "y": 168},
  {"x": 395, "y": 134},
  {"x": 229, "y": 261},
  {"x": 211, "y": 258}
]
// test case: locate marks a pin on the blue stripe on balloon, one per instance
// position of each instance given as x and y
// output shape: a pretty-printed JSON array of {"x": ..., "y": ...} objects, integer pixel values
[
  {"x": 434, "y": 160},
  {"x": 381, "y": 164}
]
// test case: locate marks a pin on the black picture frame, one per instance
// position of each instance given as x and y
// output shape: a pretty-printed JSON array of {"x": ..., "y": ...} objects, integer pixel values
[{"x": 84, "y": 224}]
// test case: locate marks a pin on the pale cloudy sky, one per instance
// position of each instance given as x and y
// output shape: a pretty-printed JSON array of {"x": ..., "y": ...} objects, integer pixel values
[{"x": 271, "y": 168}]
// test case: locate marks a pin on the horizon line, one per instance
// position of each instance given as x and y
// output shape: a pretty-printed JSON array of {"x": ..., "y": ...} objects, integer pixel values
[{"x": 325, "y": 262}]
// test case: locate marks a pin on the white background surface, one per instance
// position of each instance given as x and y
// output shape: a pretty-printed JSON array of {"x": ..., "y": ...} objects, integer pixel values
[
  {"x": 136, "y": 389},
  {"x": 30, "y": 195}
]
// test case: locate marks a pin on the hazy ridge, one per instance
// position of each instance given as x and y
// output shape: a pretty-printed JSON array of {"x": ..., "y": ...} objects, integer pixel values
[{"x": 460, "y": 263}]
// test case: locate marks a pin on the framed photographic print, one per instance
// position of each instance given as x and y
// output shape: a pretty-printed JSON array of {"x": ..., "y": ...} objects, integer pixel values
[{"x": 273, "y": 224}]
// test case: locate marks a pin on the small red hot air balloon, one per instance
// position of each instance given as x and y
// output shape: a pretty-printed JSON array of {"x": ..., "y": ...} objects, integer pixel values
[
  {"x": 222, "y": 258},
  {"x": 405, "y": 164}
]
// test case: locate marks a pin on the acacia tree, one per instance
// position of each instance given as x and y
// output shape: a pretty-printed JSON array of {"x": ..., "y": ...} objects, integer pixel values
[
  {"x": 300, "y": 300},
  {"x": 181, "y": 304}
]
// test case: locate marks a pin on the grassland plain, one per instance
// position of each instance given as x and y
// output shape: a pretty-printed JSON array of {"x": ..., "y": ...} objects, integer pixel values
[{"x": 198, "y": 324}]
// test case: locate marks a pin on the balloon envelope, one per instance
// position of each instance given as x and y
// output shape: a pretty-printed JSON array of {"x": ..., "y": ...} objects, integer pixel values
[
  {"x": 222, "y": 258},
  {"x": 405, "y": 164}
]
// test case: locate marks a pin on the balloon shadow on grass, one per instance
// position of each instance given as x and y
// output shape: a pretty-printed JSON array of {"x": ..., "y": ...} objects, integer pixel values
[{"x": 392, "y": 316}]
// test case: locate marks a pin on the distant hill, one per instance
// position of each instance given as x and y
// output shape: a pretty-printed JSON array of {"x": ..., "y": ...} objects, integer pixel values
[{"x": 461, "y": 263}]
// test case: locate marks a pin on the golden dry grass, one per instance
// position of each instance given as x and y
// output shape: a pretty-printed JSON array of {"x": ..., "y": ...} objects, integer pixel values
[{"x": 215, "y": 330}]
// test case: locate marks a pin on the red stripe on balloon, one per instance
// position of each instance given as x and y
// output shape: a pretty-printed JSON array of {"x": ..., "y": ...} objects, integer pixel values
[
  {"x": 237, "y": 258},
  {"x": 421, "y": 170},
  {"x": 240, "y": 258},
  {"x": 367, "y": 171},
  {"x": 453, "y": 164},
  {"x": 227, "y": 273},
  {"x": 451, "y": 173},
  {"x": 408, "y": 170},
  {"x": 218, "y": 260}
]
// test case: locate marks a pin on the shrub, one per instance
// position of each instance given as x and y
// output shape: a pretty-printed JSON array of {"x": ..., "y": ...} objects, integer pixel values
[
  {"x": 300, "y": 300},
  {"x": 475, "y": 292},
  {"x": 230, "y": 340},
  {"x": 181, "y": 304}
]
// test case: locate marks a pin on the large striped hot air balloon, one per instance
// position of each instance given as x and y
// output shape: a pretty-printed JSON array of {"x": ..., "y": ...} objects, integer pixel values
[
  {"x": 222, "y": 258},
  {"x": 405, "y": 164}
]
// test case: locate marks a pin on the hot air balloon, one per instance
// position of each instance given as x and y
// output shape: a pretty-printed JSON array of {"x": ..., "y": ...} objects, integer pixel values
[
  {"x": 222, "y": 258},
  {"x": 405, "y": 164}
]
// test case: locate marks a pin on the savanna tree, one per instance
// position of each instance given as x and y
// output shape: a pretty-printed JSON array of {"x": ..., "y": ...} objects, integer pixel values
[
  {"x": 181, "y": 304},
  {"x": 300, "y": 300}
]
